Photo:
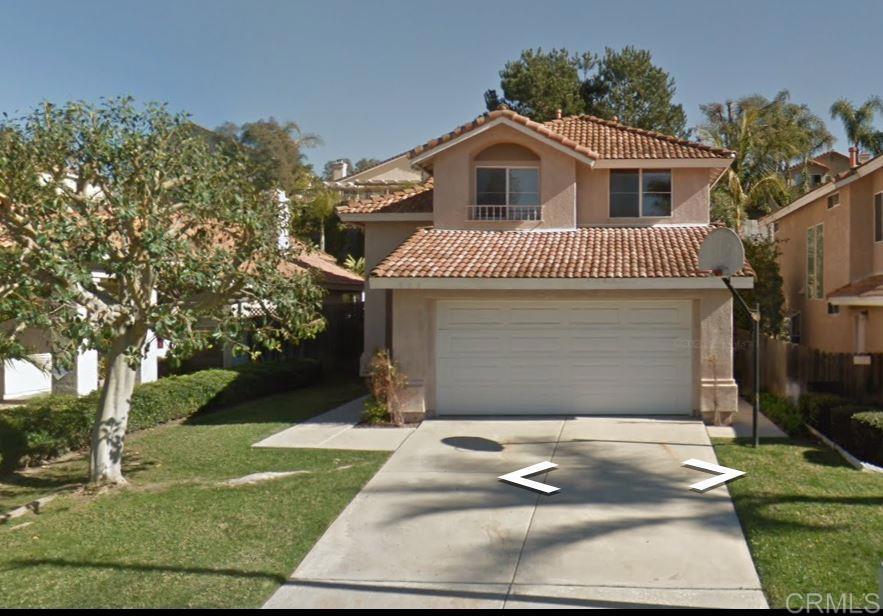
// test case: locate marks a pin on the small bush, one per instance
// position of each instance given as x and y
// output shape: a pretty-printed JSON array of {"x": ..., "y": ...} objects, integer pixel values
[
  {"x": 48, "y": 426},
  {"x": 782, "y": 413},
  {"x": 838, "y": 425},
  {"x": 867, "y": 436},
  {"x": 375, "y": 413},
  {"x": 385, "y": 382},
  {"x": 815, "y": 408}
]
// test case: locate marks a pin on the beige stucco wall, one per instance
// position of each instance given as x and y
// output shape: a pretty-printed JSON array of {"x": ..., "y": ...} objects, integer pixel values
[
  {"x": 414, "y": 325},
  {"x": 690, "y": 198},
  {"x": 381, "y": 238},
  {"x": 454, "y": 175},
  {"x": 850, "y": 254}
]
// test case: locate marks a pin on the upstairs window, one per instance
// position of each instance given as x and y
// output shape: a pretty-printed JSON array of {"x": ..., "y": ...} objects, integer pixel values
[
  {"x": 507, "y": 186},
  {"x": 834, "y": 200},
  {"x": 815, "y": 262},
  {"x": 878, "y": 217},
  {"x": 640, "y": 193}
]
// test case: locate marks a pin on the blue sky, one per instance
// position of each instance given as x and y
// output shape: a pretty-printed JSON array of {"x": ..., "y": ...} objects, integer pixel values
[{"x": 373, "y": 78}]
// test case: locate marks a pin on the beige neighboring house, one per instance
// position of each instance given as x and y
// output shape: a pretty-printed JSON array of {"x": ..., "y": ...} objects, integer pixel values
[
  {"x": 821, "y": 169},
  {"x": 551, "y": 269},
  {"x": 831, "y": 243},
  {"x": 385, "y": 177}
]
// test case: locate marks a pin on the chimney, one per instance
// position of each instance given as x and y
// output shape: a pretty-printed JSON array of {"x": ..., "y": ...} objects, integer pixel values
[
  {"x": 339, "y": 169},
  {"x": 558, "y": 113},
  {"x": 283, "y": 241},
  {"x": 853, "y": 157}
]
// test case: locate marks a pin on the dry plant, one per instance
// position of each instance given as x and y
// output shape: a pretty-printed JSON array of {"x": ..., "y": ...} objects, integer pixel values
[{"x": 385, "y": 382}]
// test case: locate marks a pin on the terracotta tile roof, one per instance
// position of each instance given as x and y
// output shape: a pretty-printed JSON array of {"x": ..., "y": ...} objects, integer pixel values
[
  {"x": 415, "y": 200},
  {"x": 592, "y": 252},
  {"x": 872, "y": 286},
  {"x": 331, "y": 275},
  {"x": 614, "y": 140},
  {"x": 594, "y": 137}
]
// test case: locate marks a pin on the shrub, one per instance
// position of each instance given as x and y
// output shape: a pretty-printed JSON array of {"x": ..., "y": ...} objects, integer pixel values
[
  {"x": 48, "y": 426},
  {"x": 867, "y": 436},
  {"x": 815, "y": 408},
  {"x": 838, "y": 424},
  {"x": 375, "y": 412},
  {"x": 385, "y": 382},
  {"x": 782, "y": 412}
]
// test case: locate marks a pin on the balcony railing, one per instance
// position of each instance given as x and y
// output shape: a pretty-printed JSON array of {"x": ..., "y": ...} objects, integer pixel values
[{"x": 504, "y": 212}]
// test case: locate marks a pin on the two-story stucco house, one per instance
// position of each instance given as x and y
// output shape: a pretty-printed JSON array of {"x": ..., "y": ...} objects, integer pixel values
[
  {"x": 551, "y": 268},
  {"x": 831, "y": 245}
]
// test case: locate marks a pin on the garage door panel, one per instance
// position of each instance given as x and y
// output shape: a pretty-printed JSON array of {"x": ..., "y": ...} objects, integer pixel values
[
  {"x": 515, "y": 357},
  {"x": 471, "y": 345}
]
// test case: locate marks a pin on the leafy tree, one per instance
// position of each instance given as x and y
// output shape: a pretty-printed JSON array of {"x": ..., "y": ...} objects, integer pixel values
[
  {"x": 766, "y": 135},
  {"x": 540, "y": 83},
  {"x": 277, "y": 149},
  {"x": 365, "y": 163},
  {"x": 859, "y": 123},
  {"x": 627, "y": 85},
  {"x": 119, "y": 221},
  {"x": 763, "y": 255},
  {"x": 624, "y": 84}
]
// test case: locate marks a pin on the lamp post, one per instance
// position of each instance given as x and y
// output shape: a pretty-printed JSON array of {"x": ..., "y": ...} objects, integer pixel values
[{"x": 755, "y": 335}]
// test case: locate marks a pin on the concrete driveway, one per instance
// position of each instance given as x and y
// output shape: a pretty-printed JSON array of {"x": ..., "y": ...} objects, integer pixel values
[{"x": 435, "y": 528}]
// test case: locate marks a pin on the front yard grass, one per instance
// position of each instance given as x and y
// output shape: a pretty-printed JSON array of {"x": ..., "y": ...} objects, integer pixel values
[
  {"x": 175, "y": 536},
  {"x": 814, "y": 524}
]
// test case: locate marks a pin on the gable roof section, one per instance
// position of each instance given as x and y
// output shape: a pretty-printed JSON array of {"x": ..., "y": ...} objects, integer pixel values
[
  {"x": 415, "y": 200},
  {"x": 843, "y": 179},
  {"x": 590, "y": 252},
  {"x": 588, "y": 136}
]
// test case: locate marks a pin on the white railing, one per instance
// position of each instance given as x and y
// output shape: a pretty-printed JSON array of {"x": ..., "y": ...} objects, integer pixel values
[{"x": 504, "y": 212}]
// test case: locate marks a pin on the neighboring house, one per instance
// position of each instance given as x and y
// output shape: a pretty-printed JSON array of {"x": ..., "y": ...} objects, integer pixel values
[
  {"x": 383, "y": 178},
  {"x": 831, "y": 243},
  {"x": 818, "y": 170},
  {"x": 551, "y": 268},
  {"x": 21, "y": 379}
]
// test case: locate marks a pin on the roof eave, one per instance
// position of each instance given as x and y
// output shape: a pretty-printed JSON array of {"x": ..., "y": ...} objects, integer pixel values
[{"x": 655, "y": 283}]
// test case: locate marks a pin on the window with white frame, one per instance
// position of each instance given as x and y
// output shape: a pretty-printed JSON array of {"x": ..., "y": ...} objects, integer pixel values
[
  {"x": 878, "y": 217},
  {"x": 507, "y": 186},
  {"x": 834, "y": 200},
  {"x": 815, "y": 262},
  {"x": 640, "y": 193}
]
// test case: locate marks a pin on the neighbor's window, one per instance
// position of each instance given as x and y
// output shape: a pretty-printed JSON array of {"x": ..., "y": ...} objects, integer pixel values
[
  {"x": 833, "y": 200},
  {"x": 507, "y": 186},
  {"x": 833, "y": 308},
  {"x": 878, "y": 217},
  {"x": 815, "y": 262},
  {"x": 794, "y": 334},
  {"x": 636, "y": 193}
]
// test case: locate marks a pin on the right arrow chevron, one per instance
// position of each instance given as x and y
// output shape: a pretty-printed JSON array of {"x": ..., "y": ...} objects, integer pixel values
[{"x": 725, "y": 474}]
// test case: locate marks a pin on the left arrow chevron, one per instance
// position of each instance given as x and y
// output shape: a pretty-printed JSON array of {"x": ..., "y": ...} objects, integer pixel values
[{"x": 517, "y": 478}]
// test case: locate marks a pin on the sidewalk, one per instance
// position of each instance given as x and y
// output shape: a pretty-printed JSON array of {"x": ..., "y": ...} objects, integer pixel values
[
  {"x": 742, "y": 425},
  {"x": 338, "y": 429}
]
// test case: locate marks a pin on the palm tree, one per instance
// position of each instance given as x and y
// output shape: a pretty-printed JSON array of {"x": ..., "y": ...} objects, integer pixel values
[
  {"x": 766, "y": 135},
  {"x": 321, "y": 208},
  {"x": 859, "y": 122}
]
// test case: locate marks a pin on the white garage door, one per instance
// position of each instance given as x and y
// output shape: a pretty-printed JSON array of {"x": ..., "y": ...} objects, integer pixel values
[{"x": 576, "y": 357}]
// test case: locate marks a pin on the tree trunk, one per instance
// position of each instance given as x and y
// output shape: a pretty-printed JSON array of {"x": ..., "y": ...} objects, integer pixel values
[
  {"x": 109, "y": 431},
  {"x": 322, "y": 235}
]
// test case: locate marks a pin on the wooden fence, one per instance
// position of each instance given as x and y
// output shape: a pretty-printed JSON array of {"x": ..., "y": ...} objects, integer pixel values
[{"x": 790, "y": 369}]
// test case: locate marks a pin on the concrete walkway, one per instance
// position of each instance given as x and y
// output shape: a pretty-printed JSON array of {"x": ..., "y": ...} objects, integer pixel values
[
  {"x": 436, "y": 528},
  {"x": 337, "y": 429},
  {"x": 742, "y": 426}
]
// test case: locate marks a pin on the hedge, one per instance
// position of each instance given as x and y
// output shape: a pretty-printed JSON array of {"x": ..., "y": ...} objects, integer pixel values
[
  {"x": 48, "y": 426},
  {"x": 867, "y": 436},
  {"x": 782, "y": 413},
  {"x": 815, "y": 408}
]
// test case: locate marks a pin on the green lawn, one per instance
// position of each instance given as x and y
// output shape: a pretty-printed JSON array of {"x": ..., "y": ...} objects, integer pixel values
[
  {"x": 175, "y": 537},
  {"x": 814, "y": 524}
]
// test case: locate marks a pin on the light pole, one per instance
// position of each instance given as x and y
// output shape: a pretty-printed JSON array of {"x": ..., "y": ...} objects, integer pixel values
[{"x": 755, "y": 335}]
